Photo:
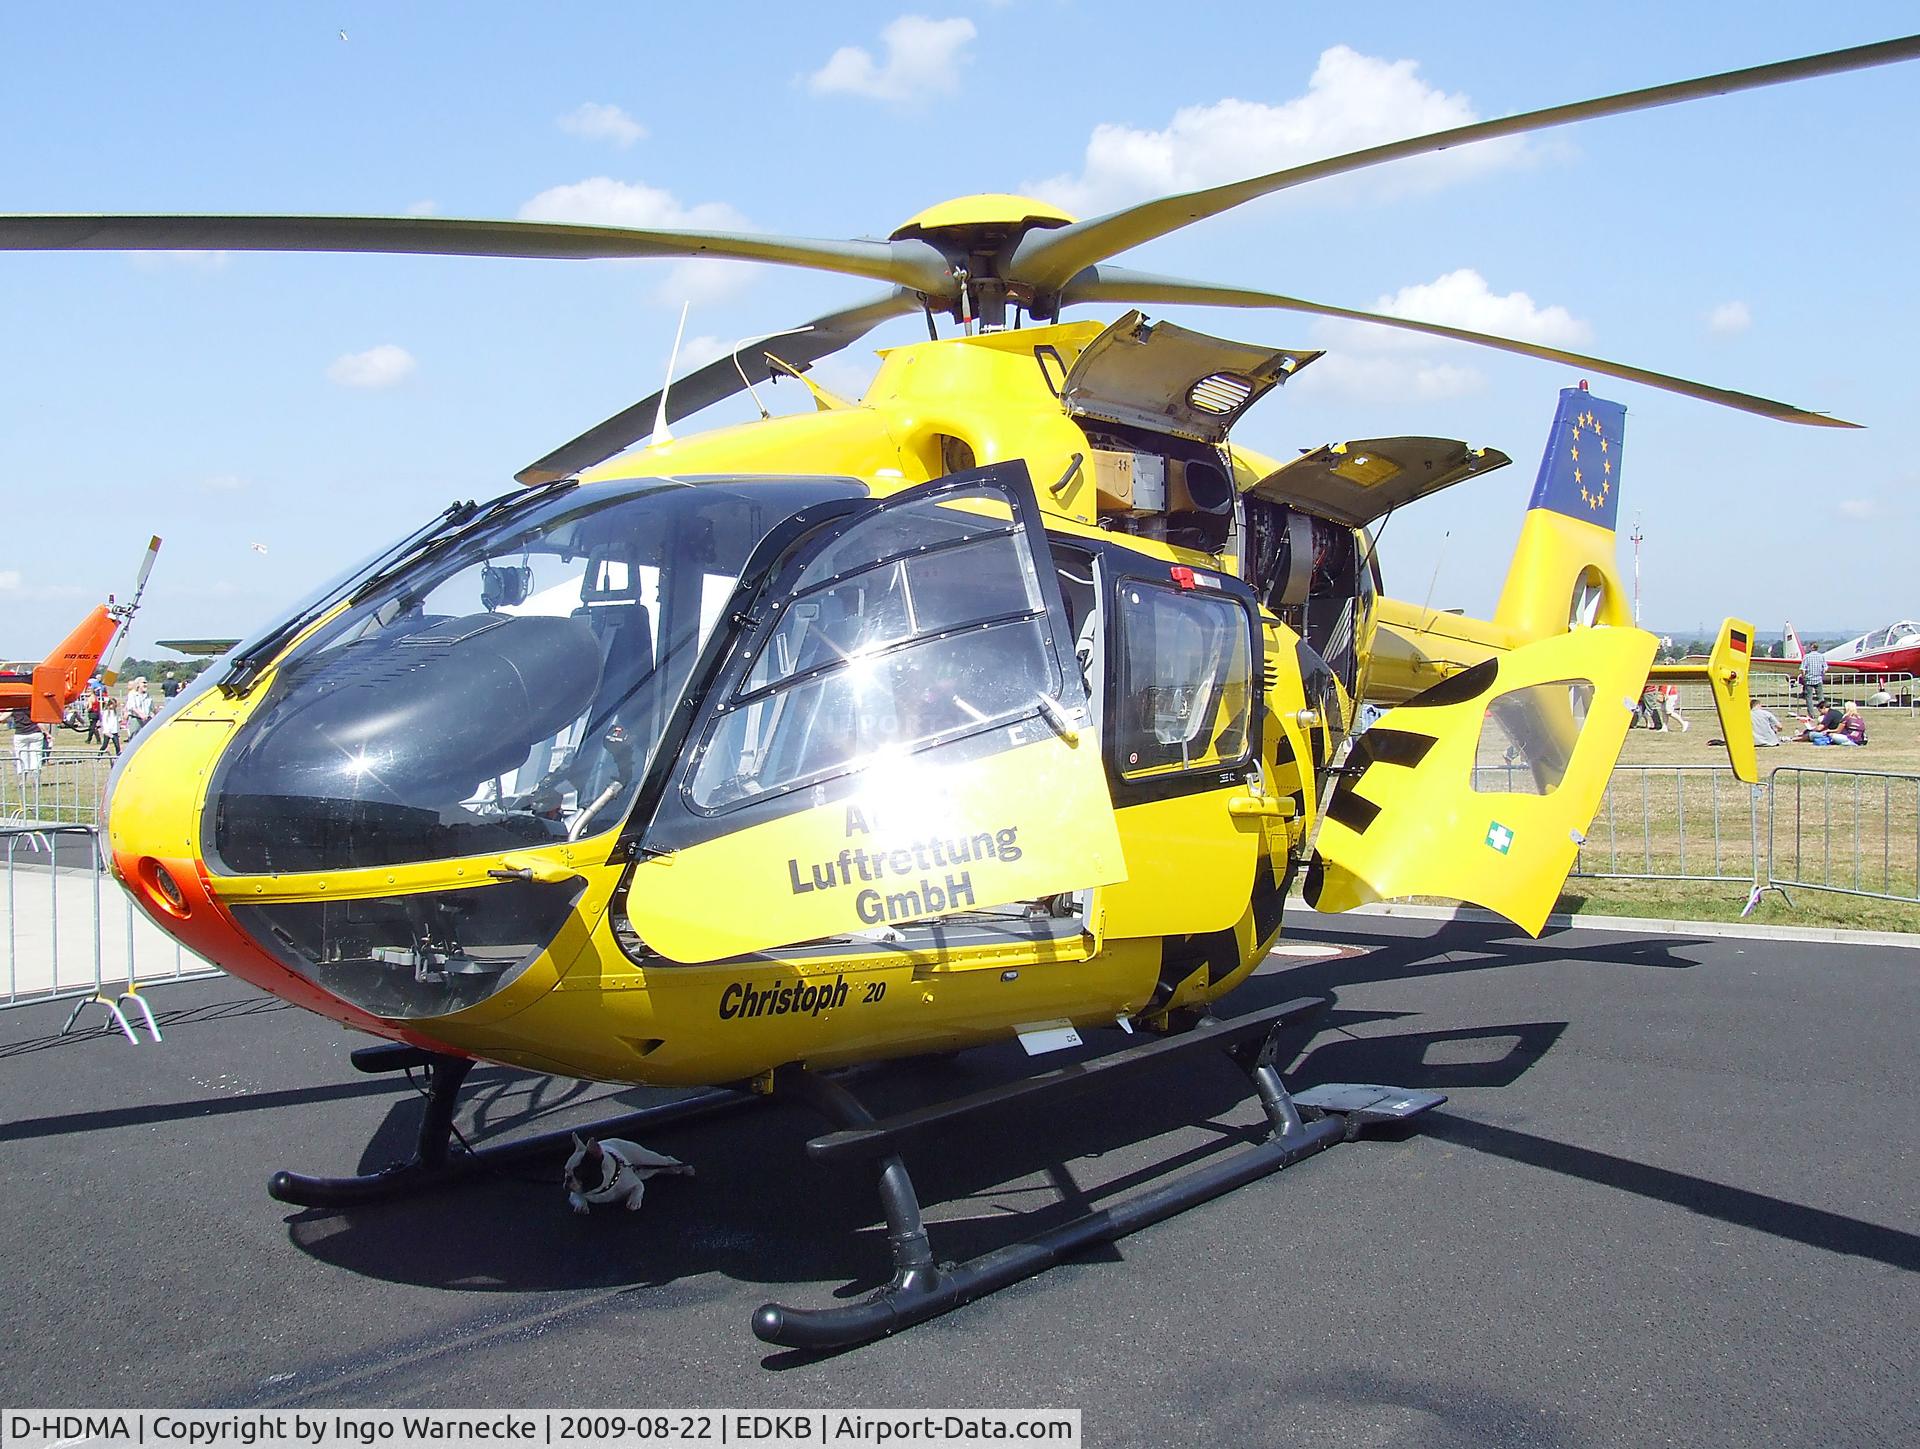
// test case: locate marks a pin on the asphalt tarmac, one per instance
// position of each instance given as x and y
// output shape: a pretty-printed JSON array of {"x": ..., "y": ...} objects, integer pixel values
[{"x": 1672, "y": 1200}]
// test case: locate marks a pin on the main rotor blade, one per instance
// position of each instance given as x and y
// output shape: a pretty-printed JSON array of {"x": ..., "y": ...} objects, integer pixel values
[
  {"x": 799, "y": 349},
  {"x": 1116, "y": 284},
  {"x": 907, "y": 263},
  {"x": 1046, "y": 260},
  {"x": 129, "y": 609}
]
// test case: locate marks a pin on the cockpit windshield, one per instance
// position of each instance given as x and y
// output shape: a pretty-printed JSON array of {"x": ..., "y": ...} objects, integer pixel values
[{"x": 509, "y": 688}]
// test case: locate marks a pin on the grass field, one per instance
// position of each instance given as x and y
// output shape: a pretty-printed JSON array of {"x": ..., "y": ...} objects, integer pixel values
[
  {"x": 1829, "y": 823},
  {"x": 67, "y": 790},
  {"x": 1673, "y": 811}
]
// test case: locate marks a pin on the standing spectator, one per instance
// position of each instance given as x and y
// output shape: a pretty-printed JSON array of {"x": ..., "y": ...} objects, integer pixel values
[
  {"x": 29, "y": 745},
  {"x": 93, "y": 719},
  {"x": 169, "y": 686},
  {"x": 1766, "y": 726},
  {"x": 139, "y": 707},
  {"x": 1670, "y": 706},
  {"x": 1813, "y": 677},
  {"x": 109, "y": 724}
]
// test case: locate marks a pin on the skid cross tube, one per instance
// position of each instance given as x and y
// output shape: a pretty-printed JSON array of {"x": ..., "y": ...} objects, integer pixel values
[
  {"x": 870, "y": 1139},
  {"x": 922, "y": 1288},
  {"x": 434, "y": 1164}
]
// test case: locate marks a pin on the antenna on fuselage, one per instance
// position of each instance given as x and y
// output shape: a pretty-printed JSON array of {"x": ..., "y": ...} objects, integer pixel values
[
  {"x": 661, "y": 432},
  {"x": 1439, "y": 557},
  {"x": 738, "y": 366}
]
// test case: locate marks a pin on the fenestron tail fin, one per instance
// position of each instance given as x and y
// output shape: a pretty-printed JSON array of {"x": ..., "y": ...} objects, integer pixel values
[{"x": 1563, "y": 571}]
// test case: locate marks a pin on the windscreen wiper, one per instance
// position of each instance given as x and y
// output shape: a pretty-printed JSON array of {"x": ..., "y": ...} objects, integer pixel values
[
  {"x": 498, "y": 511},
  {"x": 452, "y": 523}
]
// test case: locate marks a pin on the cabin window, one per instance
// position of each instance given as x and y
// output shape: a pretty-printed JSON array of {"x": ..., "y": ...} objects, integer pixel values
[
  {"x": 922, "y": 624},
  {"x": 1527, "y": 738},
  {"x": 1185, "y": 680}
]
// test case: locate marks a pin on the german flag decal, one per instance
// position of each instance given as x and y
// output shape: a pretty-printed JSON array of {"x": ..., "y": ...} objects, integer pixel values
[{"x": 1737, "y": 642}]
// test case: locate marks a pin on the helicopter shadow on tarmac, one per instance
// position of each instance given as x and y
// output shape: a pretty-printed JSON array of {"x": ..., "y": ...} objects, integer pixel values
[{"x": 760, "y": 1211}]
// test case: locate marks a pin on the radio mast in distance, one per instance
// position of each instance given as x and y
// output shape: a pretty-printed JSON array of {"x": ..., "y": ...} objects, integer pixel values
[{"x": 1636, "y": 570}]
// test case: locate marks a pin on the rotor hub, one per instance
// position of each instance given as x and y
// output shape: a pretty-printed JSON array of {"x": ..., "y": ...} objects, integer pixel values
[{"x": 970, "y": 220}]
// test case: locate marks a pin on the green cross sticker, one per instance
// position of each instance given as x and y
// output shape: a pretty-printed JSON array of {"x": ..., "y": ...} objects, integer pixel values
[{"x": 1499, "y": 837}]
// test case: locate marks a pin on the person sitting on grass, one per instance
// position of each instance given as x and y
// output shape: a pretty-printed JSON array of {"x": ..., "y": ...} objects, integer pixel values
[
  {"x": 1849, "y": 729},
  {"x": 1822, "y": 723},
  {"x": 1766, "y": 726}
]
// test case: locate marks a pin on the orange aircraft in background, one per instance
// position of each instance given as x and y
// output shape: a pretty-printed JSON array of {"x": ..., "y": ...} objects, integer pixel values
[{"x": 47, "y": 688}]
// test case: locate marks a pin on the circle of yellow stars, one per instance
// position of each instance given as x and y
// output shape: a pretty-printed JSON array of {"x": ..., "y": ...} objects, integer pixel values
[{"x": 1596, "y": 496}]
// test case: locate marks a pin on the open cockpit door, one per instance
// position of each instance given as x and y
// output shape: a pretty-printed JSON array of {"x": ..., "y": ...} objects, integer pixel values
[
  {"x": 1360, "y": 482},
  {"x": 1166, "y": 379},
  {"x": 1481, "y": 788},
  {"x": 899, "y": 733}
]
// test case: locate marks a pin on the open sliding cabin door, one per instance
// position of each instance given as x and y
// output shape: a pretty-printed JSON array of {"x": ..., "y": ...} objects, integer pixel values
[{"x": 899, "y": 734}]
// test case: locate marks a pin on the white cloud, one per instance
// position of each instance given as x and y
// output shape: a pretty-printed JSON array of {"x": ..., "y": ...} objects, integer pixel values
[
  {"x": 1859, "y": 510},
  {"x": 1352, "y": 101},
  {"x": 923, "y": 57},
  {"x": 225, "y": 483},
  {"x": 13, "y": 582},
  {"x": 699, "y": 351},
  {"x": 1462, "y": 298},
  {"x": 1373, "y": 375},
  {"x": 1364, "y": 360},
  {"x": 1730, "y": 317},
  {"x": 597, "y": 122},
  {"x": 381, "y": 366},
  {"x": 602, "y": 201},
  {"x": 423, "y": 208}
]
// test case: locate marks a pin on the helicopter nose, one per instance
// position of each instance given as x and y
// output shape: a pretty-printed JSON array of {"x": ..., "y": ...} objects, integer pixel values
[{"x": 152, "y": 842}]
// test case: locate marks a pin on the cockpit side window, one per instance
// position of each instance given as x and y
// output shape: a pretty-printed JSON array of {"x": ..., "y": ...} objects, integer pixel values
[{"x": 920, "y": 625}]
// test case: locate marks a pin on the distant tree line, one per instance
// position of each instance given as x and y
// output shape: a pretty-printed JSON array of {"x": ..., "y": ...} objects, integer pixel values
[
  {"x": 1680, "y": 648},
  {"x": 155, "y": 670}
]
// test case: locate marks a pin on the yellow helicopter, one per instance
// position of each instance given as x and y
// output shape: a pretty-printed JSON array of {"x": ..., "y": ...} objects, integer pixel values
[{"x": 1010, "y": 699}]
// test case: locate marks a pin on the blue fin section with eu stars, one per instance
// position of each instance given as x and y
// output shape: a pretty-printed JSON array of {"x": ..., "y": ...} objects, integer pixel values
[{"x": 1580, "y": 470}]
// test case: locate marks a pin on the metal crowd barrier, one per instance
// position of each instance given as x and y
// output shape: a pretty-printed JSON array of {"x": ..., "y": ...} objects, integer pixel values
[
  {"x": 1780, "y": 693},
  {"x": 1674, "y": 822},
  {"x": 73, "y": 933},
  {"x": 1855, "y": 832},
  {"x": 1851, "y": 832},
  {"x": 67, "y": 787}
]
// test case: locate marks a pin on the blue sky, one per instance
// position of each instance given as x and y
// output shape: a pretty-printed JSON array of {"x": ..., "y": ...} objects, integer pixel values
[{"x": 316, "y": 406}]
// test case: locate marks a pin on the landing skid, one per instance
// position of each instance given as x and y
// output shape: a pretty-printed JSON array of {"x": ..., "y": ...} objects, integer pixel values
[
  {"x": 434, "y": 1164},
  {"x": 922, "y": 1287}
]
